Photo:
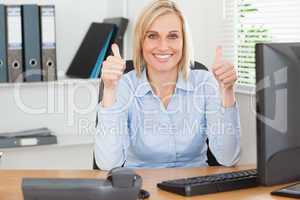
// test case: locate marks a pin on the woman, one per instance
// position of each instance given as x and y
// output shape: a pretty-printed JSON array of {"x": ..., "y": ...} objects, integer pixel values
[{"x": 161, "y": 113}]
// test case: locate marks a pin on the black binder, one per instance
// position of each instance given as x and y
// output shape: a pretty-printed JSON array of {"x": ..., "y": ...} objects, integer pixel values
[
  {"x": 122, "y": 24},
  {"x": 3, "y": 45},
  {"x": 93, "y": 50},
  {"x": 32, "y": 42}
]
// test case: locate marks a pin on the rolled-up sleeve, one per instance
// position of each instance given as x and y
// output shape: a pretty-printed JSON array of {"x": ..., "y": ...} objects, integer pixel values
[
  {"x": 222, "y": 126},
  {"x": 111, "y": 139}
]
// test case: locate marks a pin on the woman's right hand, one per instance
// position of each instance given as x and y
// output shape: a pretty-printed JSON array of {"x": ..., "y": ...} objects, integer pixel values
[{"x": 112, "y": 71}]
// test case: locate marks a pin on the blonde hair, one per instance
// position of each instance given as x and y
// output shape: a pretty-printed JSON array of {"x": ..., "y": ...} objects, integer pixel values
[{"x": 147, "y": 17}]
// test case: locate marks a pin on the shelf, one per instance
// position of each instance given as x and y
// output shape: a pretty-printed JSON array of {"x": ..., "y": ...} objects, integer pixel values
[
  {"x": 62, "y": 141},
  {"x": 60, "y": 81}
]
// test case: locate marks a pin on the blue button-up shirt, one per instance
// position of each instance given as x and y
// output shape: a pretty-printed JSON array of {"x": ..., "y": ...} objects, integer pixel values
[{"x": 139, "y": 131}]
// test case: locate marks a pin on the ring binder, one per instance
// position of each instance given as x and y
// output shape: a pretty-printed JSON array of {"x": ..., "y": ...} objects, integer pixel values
[
  {"x": 32, "y": 42},
  {"x": 3, "y": 45},
  {"x": 122, "y": 24},
  {"x": 93, "y": 50},
  {"x": 49, "y": 65},
  {"x": 14, "y": 44}
]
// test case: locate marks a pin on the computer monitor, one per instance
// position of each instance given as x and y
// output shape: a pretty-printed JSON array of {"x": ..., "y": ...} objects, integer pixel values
[{"x": 278, "y": 112}]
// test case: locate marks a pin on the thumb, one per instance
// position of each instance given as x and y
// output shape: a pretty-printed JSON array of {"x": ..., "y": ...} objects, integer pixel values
[
  {"x": 219, "y": 54},
  {"x": 115, "y": 50}
]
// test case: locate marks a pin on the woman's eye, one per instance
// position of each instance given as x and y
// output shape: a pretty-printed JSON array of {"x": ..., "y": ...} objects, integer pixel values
[
  {"x": 173, "y": 36},
  {"x": 152, "y": 36}
]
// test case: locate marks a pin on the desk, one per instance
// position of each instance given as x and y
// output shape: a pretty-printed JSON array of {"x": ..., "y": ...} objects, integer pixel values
[{"x": 10, "y": 182}]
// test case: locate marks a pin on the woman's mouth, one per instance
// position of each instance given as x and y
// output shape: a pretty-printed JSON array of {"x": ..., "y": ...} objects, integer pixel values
[{"x": 163, "y": 57}]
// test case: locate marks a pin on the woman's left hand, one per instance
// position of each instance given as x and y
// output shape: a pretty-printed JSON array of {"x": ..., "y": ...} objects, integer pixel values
[
  {"x": 224, "y": 71},
  {"x": 226, "y": 75}
]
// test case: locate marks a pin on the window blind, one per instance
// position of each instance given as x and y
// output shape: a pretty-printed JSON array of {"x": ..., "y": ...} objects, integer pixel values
[{"x": 248, "y": 22}]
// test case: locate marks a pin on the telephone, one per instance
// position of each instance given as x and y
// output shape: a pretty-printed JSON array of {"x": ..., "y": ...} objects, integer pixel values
[{"x": 121, "y": 183}]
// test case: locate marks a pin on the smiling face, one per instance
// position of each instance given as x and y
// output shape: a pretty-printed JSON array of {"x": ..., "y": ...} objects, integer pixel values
[{"x": 163, "y": 43}]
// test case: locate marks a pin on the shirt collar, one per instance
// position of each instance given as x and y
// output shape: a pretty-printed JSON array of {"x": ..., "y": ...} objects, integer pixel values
[
  {"x": 144, "y": 86},
  {"x": 183, "y": 84}
]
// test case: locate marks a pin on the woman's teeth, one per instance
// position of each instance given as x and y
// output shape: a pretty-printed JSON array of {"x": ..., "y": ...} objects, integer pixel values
[{"x": 162, "y": 56}]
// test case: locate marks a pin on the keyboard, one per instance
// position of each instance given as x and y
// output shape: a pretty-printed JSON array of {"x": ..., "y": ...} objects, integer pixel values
[{"x": 211, "y": 183}]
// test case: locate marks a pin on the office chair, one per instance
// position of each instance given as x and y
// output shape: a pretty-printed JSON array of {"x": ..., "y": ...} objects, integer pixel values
[{"x": 211, "y": 160}]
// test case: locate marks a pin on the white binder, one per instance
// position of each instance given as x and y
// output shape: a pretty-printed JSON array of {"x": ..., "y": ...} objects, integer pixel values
[
  {"x": 49, "y": 65},
  {"x": 15, "y": 44}
]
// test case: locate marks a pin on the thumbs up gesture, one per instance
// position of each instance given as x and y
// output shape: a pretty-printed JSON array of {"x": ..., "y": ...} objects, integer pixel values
[
  {"x": 113, "y": 68},
  {"x": 224, "y": 71},
  {"x": 225, "y": 74}
]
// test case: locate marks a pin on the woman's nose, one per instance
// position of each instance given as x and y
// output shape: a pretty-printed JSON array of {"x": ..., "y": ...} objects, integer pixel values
[{"x": 163, "y": 45}]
